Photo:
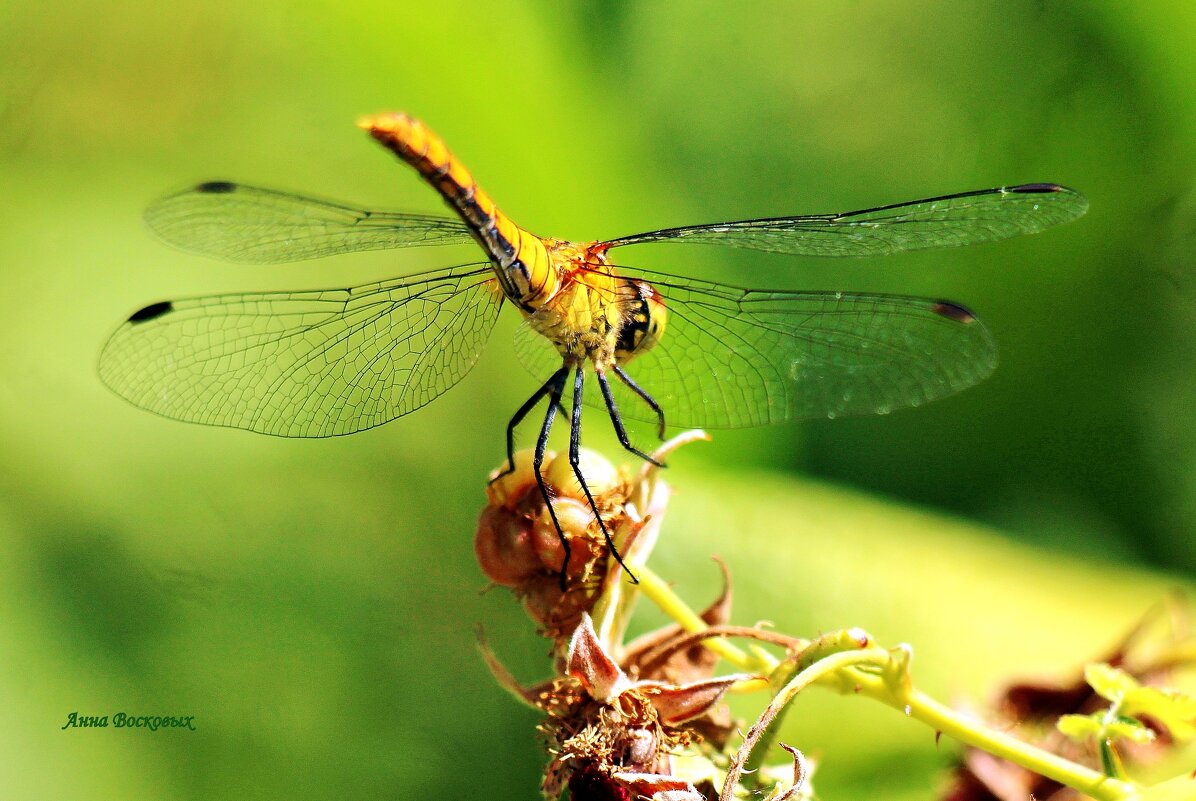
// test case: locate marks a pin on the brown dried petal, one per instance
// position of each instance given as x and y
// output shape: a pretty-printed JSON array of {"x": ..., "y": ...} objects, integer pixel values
[
  {"x": 506, "y": 680},
  {"x": 659, "y": 787},
  {"x": 588, "y": 662},
  {"x": 679, "y": 704},
  {"x": 719, "y": 612}
]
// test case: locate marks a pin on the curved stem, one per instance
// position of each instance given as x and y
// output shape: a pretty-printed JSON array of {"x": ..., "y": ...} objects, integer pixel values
[
  {"x": 916, "y": 704},
  {"x": 661, "y": 594},
  {"x": 822, "y": 668},
  {"x": 655, "y": 658},
  {"x": 891, "y": 686}
]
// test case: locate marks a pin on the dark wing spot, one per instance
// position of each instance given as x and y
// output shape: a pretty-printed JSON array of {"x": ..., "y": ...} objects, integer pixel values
[
  {"x": 953, "y": 311},
  {"x": 151, "y": 312},
  {"x": 217, "y": 187},
  {"x": 1035, "y": 189}
]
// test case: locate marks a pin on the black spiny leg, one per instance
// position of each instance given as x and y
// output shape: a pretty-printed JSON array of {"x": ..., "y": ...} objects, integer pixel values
[
  {"x": 555, "y": 387},
  {"x": 517, "y": 418},
  {"x": 575, "y": 460},
  {"x": 648, "y": 399},
  {"x": 617, "y": 420}
]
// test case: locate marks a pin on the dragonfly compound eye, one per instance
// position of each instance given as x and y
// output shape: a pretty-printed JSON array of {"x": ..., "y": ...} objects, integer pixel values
[{"x": 643, "y": 322}]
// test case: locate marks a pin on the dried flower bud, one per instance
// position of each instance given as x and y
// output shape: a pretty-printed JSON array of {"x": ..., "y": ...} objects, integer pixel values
[
  {"x": 505, "y": 547},
  {"x": 615, "y": 738},
  {"x": 579, "y": 526},
  {"x": 555, "y": 611},
  {"x": 507, "y": 489},
  {"x": 519, "y": 546},
  {"x": 601, "y": 476},
  {"x": 644, "y": 721}
]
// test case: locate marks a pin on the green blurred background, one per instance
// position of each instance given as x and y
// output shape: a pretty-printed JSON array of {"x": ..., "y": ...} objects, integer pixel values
[{"x": 312, "y": 603}]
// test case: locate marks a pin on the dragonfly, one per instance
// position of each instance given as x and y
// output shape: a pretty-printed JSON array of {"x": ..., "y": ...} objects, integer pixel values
[{"x": 696, "y": 353}]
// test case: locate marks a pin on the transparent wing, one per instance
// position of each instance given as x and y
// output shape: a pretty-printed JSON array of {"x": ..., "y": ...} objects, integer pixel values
[
  {"x": 249, "y": 224},
  {"x": 967, "y": 218},
  {"x": 732, "y": 358},
  {"x": 305, "y": 364}
]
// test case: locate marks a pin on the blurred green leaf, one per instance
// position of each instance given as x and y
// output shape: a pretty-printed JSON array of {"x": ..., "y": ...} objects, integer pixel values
[
  {"x": 1109, "y": 682},
  {"x": 1083, "y": 728},
  {"x": 1174, "y": 709}
]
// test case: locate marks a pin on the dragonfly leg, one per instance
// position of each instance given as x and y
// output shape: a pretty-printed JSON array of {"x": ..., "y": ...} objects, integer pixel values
[
  {"x": 555, "y": 387},
  {"x": 575, "y": 461},
  {"x": 517, "y": 418},
  {"x": 648, "y": 399},
  {"x": 617, "y": 420}
]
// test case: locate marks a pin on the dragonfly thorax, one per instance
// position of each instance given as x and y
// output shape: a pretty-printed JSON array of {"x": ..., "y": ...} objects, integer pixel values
[{"x": 595, "y": 315}]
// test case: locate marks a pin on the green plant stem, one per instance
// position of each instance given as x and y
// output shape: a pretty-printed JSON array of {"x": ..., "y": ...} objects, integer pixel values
[
  {"x": 661, "y": 594},
  {"x": 891, "y": 686},
  {"x": 821, "y": 669},
  {"x": 780, "y": 679},
  {"x": 1108, "y": 755},
  {"x": 922, "y": 707}
]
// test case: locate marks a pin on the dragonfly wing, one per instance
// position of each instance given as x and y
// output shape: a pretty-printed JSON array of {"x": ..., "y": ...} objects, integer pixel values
[
  {"x": 732, "y": 358},
  {"x": 968, "y": 218},
  {"x": 250, "y": 224},
  {"x": 305, "y": 364}
]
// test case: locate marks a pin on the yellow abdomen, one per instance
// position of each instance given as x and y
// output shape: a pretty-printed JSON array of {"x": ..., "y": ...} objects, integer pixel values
[{"x": 520, "y": 258}]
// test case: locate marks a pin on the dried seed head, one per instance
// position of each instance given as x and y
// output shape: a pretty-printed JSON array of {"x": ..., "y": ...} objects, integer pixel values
[
  {"x": 611, "y": 735},
  {"x": 555, "y": 611},
  {"x": 601, "y": 476},
  {"x": 519, "y": 546},
  {"x": 579, "y": 527},
  {"x": 505, "y": 547}
]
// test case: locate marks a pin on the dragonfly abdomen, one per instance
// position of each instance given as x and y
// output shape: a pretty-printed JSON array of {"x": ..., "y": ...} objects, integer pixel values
[{"x": 520, "y": 259}]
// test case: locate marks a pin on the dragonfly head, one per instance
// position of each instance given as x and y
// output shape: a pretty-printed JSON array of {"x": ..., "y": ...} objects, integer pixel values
[{"x": 643, "y": 320}]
